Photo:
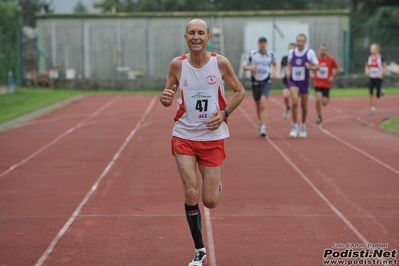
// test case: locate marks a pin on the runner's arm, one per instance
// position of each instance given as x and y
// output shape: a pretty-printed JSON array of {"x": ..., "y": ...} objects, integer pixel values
[
  {"x": 248, "y": 64},
  {"x": 230, "y": 78},
  {"x": 172, "y": 83},
  {"x": 366, "y": 69},
  {"x": 335, "y": 69},
  {"x": 314, "y": 62},
  {"x": 384, "y": 68}
]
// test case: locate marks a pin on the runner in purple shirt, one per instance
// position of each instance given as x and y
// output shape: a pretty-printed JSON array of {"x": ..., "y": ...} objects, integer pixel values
[{"x": 300, "y": 61}]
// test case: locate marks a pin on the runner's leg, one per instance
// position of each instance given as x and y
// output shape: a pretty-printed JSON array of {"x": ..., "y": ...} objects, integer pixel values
[
  {"x": 326, "y": 97},
  {"x": 304, "y": 105},
  {"x": 186, "y": 165},
  {"x": 294, "y": 102},
  {"x": 211, "y": 180},
  {"x": 286, "y": 96},
  {"x": 318, "y": 102}
]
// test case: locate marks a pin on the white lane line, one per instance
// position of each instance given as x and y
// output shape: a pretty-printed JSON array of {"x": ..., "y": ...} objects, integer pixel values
[
  {"x": 78, "y": 125},
  {"x": 211, "y": 245},
  {"x": 328, "y": 133},
  {"x": 315, "y": 189},
  {"x": 94, "y": 187}
]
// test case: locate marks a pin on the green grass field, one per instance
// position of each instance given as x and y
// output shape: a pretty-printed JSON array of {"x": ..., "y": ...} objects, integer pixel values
[
  {"x": 26, "y": 100},
  {"x": 391, "y": 125}
]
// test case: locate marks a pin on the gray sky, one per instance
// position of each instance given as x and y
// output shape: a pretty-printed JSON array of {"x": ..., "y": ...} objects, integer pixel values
[{"x": 67, "y": 6}]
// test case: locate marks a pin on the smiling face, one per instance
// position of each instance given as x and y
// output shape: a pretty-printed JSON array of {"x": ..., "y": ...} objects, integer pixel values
[{"x": 197, "y": 35}]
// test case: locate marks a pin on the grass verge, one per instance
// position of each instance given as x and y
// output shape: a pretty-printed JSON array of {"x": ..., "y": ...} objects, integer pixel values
[
  {"x": 24, "y": 101},
  {"x": 391, "y": 125}
]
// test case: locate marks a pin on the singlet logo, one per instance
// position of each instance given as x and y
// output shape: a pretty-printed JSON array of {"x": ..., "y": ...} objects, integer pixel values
[
  {"x": 298, "y": 61},
  {"x": 185, "y": 84},
  {"x": 203, "y": 116},
  {"x": 199, "y": 95},
  {"x": 211, "y": 79}
]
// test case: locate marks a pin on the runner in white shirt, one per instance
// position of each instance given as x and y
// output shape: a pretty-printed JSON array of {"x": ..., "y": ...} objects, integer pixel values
[
  {"x": 375, "y": 68},
  {"x": 200, "y": 123},
  {"x": 262, "y": 64},
  {"x": 284, "y": 79}
]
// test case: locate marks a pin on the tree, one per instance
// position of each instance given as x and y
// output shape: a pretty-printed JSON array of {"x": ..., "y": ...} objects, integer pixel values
[
  {"x": 80, "y": 8},
  {"x": 204, "y": 5},
  {"x": 30, "y": 8},
  {"x": 9, "y": 26}
]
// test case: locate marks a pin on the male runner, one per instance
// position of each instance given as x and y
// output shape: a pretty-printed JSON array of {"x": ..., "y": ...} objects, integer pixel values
[
  {"x": 284, "y": 79},
  {"x": 375, "y": 68},
  {"x": 262, "y": 64},
  {"x": 323, "y": 79},
  {"x": 301, "y": 61},
  {"x": 200, "y": 123}
]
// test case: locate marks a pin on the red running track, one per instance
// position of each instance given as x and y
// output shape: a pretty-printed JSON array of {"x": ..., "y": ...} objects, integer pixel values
[{"x": 94, "y": 183}]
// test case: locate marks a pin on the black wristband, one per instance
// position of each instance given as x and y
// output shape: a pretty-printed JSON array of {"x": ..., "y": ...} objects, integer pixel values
[{"x": 226, "y": 112}]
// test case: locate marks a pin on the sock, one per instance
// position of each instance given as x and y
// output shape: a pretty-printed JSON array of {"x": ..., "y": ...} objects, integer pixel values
[
  {"x": 193, "y": 215},
  {"x": 200, "y": 249}
]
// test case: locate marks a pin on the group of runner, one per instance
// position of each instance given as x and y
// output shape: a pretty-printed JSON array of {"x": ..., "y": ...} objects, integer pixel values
[
  {"x": 296, "y": 70},
  {"x": 200, "y": 122}
]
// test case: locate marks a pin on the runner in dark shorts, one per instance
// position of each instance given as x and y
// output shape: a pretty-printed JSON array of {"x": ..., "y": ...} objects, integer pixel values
[
  {"x": 262, "y": 64},
  {"x": 323, "y": 79},
  {"x": 375, "y": 68},
  {"x": 284, "y": 80}
]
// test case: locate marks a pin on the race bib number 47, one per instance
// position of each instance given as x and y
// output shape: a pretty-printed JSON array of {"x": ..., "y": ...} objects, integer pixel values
[{"x": 200, "y": 105}]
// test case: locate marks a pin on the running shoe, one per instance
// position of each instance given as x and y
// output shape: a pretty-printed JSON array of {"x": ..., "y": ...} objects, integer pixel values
[
  {"x": 262, "y": 131},
  {"x": 372, "y": 111},
  {"x": 294, "y": 131},
  {"x": 303, "y": 133},
  {"x": 199, "y": 259},
  {"x": 259, "y": 126},
  {"x": 319, "y": 120},
  {"x": 286, "y": 113}
]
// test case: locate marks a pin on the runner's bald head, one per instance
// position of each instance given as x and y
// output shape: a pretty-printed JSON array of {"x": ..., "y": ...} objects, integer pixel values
[{"x": 197, "y": 22}]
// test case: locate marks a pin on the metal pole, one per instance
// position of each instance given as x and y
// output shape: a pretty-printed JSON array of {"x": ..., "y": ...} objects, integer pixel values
[
  {"x": 19, "y": 53},
  {"x": 274, "y": 34}
]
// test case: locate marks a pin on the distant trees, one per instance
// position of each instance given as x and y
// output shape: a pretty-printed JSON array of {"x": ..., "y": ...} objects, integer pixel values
[
  {"x": 207, "y": 5},
  {"x": 80, "y": 8},
  {"x": 9, "y": 26}
]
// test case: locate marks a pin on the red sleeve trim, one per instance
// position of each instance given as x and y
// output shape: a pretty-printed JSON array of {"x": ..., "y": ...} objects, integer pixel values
[
  {"x": 183, "y": 57},
  {"x": 213, "y": 54}
]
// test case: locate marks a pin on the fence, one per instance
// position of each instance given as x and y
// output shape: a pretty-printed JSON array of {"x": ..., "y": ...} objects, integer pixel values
[{"x": 111, "y": 46}]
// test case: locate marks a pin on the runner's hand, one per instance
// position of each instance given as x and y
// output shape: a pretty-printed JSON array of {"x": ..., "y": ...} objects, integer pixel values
[
  {"x": 167, "y": 96},
  {"x": 307, "y": 65},
  {"x": 288, "y": 74},
  {"x": 254, "y": 69},
  {"x": 217, "y": 119},
  {"x": 331, "y": 79}
]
